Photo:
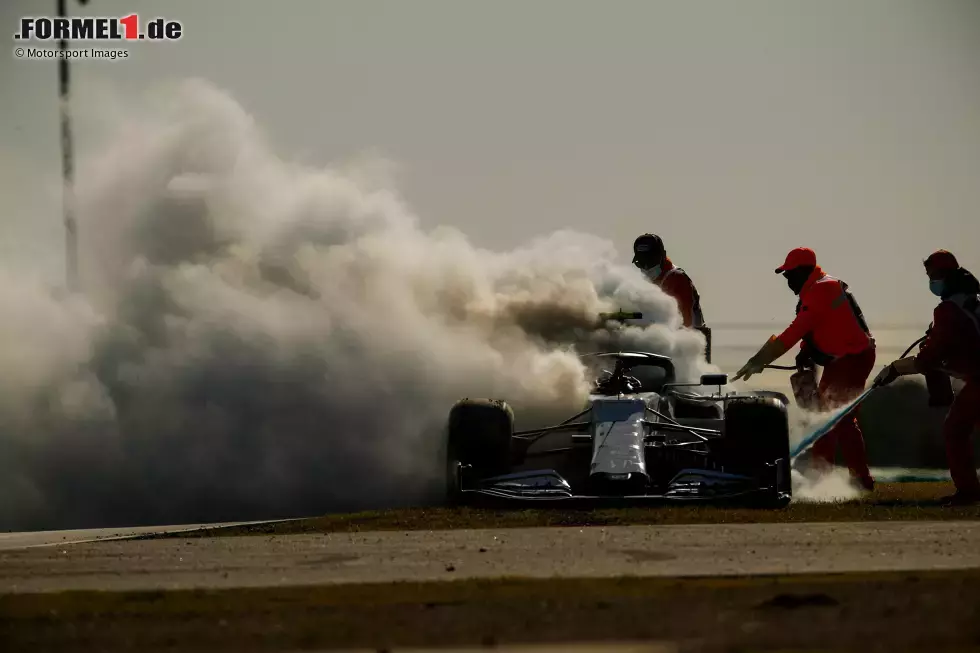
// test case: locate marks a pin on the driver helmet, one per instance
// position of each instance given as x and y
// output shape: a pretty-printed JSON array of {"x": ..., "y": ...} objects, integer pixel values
[{"x": 648, "y": 251}]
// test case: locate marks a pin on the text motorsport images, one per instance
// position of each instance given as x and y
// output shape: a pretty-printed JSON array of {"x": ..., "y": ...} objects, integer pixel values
[{"x": 42, "y": 54}]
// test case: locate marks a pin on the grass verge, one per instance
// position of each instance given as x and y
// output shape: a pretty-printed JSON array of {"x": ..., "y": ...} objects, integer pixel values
[
  {"x": 889, "y": 502},
  {"x": 931, "y": 611}
]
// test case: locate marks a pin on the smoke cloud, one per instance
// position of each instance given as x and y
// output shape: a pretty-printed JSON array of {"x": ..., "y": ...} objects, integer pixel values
[
  {"x": 259, "y": 338},
  {"x": 817, "y": 485}
]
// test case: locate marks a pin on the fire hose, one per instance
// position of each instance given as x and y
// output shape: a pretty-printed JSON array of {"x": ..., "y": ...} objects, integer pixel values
[{"x": 804, "y": 391}]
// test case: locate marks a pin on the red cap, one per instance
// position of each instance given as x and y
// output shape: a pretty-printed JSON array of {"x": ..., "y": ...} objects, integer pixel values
[
  {"x": 798, "y": 258},
  {"x": 941, "y": 261}
]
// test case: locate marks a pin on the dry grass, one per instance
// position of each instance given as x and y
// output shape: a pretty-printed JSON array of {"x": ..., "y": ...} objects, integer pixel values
[
  {"x": 868, "y": 612},
  {"x": 890, "y": 502}
]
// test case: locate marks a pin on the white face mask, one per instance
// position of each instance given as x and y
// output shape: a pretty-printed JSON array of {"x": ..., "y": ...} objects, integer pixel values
[{"x": 655, "y": 271}]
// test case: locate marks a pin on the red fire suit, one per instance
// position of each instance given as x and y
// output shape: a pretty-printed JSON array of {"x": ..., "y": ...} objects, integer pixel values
[
  {"x": 953, "y": 346},
  {"x": 675, "y": 282},
  {"x": 838, "y": 337}
]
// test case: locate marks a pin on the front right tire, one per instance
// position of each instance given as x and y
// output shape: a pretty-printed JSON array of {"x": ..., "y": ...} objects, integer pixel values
[{"x": 756, "y": 443}]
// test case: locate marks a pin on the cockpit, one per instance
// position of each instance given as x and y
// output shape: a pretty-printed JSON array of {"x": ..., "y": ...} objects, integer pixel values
[{"x": 629, "y": 373}]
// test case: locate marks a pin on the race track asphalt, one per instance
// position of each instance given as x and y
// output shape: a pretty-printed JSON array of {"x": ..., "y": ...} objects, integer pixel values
[{"x": 596, "y": 552}]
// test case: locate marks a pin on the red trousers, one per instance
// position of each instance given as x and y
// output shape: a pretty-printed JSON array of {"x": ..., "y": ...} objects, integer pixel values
[
  {"x": 963, "y": 416},
  {"x": 842, "y": 381}
]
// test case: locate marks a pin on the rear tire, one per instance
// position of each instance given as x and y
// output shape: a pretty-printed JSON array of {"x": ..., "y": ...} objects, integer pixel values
[
  {"x": 756, "y": 443},
  {"x": 478, "y": 443}
]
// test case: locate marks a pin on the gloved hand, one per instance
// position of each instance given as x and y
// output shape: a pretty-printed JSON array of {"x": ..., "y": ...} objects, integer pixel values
[
  {"x": 750, "y": 368},
  {"x": 804, "y": 360},
  {"x": 885, "y": 376},
  {"x": 770, "y": 351}
]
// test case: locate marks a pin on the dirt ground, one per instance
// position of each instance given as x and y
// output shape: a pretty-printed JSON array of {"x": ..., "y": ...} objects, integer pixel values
[
  {"x": 892, "y": 612},
  {"x": 681, "y": 551}
]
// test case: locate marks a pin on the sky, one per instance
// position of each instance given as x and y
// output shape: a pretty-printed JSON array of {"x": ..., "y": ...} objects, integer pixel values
[{"x": 735, "y": 130}]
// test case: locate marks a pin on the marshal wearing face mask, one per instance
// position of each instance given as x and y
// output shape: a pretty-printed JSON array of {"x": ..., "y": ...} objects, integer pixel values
[
  {"x": 651, "y": 257},
  {"x": 833, "y": 333},
  {"x": 952, "y": 347}
]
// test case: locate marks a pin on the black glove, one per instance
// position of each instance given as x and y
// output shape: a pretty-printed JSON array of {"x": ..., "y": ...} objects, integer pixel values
[
  {"x": 886, "y": 376},
  {"x": 804, "y": 361}
]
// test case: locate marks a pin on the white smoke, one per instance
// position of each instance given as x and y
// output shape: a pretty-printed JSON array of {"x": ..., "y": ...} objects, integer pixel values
[
  {"x": 259, "y": 338},
  {"x": 818, "y": 485},
  {"x": 833, "y": 485}
]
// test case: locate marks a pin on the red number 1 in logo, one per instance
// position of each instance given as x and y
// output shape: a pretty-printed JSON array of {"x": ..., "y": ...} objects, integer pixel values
[{"x": 132, "y": 25}]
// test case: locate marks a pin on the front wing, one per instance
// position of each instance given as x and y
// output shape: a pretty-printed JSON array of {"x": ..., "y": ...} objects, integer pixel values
[{"x": 688, "y": 485}]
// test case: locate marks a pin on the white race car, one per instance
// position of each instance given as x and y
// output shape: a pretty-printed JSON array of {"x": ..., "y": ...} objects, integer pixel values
[{"x": 641, "y": 437}]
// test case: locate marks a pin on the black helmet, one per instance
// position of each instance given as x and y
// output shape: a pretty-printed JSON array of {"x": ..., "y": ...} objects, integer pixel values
[{"x": 648, "y": 251}]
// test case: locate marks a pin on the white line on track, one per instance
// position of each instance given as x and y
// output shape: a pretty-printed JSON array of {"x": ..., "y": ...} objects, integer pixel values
[{"x": 28, "y": 539}]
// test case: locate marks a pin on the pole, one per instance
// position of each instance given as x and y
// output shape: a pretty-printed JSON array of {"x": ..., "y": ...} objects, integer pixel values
[{"x": 67, "y": 161}]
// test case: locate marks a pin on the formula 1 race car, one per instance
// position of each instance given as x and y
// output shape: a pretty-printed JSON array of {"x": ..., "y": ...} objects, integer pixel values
[{"x": 641, "y": 437}]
